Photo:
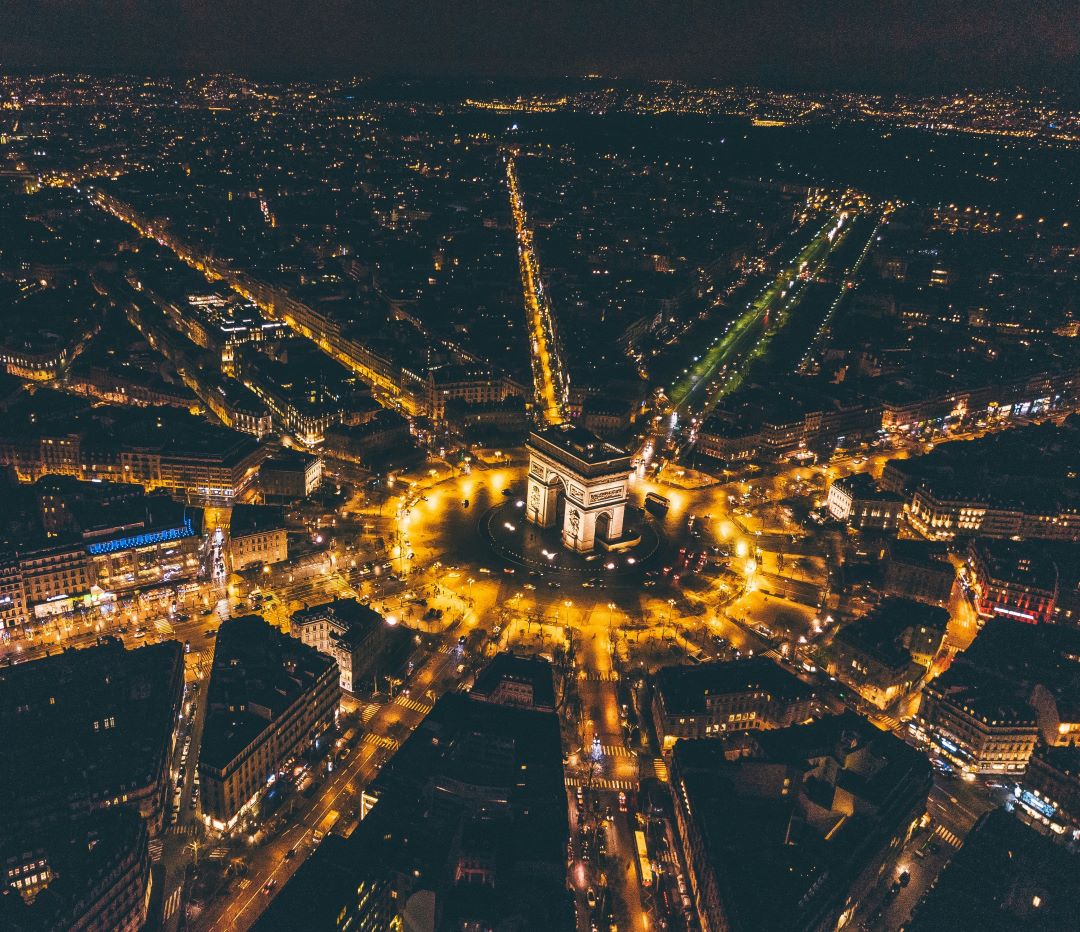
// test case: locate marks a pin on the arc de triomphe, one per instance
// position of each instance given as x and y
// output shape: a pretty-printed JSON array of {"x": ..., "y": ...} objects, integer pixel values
[{"x": 593, "y": 476}]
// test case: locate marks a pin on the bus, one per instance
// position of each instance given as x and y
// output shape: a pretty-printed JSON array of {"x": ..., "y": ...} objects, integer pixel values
[
  {"x": 643, "y": 859},
  {"x": 326, "y": 823},
  {"x": 657, "y": 504}
]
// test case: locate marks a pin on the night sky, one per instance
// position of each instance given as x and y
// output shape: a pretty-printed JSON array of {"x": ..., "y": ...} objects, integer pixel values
[{"x": 873, "y": 44}]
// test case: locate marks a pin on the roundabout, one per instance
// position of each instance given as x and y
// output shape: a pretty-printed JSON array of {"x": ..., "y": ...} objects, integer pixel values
[{"x": 505, "y": 529}]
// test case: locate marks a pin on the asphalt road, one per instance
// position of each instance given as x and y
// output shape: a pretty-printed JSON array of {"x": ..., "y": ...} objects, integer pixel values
[{"x": 240, "y": 908}]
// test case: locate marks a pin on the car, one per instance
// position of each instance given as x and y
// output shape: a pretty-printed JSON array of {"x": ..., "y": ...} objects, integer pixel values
[
  {"x": 508, "y": 570},
  {"x": 622, "y": 801},
  {"x": 529, "y": 586},
  {"x": 268, "y": 887},
  {"x": 552, "y": 584},
  {"x": 904, "y": 878},
  {"x": 290, "y": 854},
  {"x": 590, "y": 898},
  {"x": 210, "y": 611}
]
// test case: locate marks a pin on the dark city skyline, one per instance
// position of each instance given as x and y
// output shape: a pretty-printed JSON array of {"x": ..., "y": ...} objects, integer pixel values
[{"x": 926, "y": 45}]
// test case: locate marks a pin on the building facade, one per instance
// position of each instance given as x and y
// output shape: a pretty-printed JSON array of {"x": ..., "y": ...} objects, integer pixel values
[
  {"x": 977, "y": 725},
  {"x": 716, "y": 699},
  {"x": 354, "y": 635},
  {"x": 270, "y": 699},
  {"x": 257, "y": 537}
]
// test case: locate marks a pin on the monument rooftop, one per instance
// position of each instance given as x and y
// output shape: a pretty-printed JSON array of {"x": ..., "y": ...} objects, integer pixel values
[{"x": 569, "y": 440}]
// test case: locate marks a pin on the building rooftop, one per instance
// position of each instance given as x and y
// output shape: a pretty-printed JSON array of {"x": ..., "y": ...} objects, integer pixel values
[
  {"x": 688, "y": 688},
  {"x": 254, "y": 519},
  {"x": 862, "y": 486},
  {"x": 506, "y": 668},
  {"x": 84, "y": 856},
  {"x": 1031, "y": 468},
  {"x": 778, "y": 856},
  {"x": 476, "y": 781},
  {"x": 258, "y": 673},
  {"x": 926, "y": 554},
  {"x": 985, "y": 695},
  {"x": 570, "y": 443},
  {"x": 1063, "y": 758},
  {"x": 349, "y": 614},
  {"x": 880, "y": 633},
  {"x": 289, "y": 461},
  {"x": 1026, "y": 654},
  {"x": 84, "y": 724},
  {"x": 1017, "y": 563}
]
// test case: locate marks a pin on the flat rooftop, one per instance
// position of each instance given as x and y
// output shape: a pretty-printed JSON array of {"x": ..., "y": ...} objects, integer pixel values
[
  {"x": 255, "y": 519},
  {"x": 258, "y": 674},
  {"x": 687, "y": 689},
  {"x": 568, "y": 442}
]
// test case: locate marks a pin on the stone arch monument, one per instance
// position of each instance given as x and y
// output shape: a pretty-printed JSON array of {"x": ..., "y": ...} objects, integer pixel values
[{"x": 593, "y": 475}]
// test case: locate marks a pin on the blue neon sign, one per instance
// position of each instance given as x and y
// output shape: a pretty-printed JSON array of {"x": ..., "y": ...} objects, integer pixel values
[{"x": 143, "y": 540}]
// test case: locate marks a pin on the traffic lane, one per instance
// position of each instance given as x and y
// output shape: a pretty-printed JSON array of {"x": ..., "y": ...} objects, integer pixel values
[
  {"x": 623, "y": 847},
  {"x": 882, "y": 910},
  {"x": 362, "y": 769},
  {"x": 248, "y": 911},
  {"x": 958, "y": 805},
  {"x": 239, "y": 908},
  {"x": 175, "y": 851}
]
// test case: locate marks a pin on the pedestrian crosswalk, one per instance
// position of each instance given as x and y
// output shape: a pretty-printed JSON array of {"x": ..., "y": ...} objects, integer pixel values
[
  {"x": 172, "y": 904},
  {"x": 948, "y": 837},
  {"x": 369, "y": 712},
  {"x": 594, "y": 676},
  {"x": 615, "y": 750},
  {"x": 380, "y": 741},
  {"x": 219, "y": 854},
  {"x": 181, "y": 829},
  {"x": 243, "y": 883},
  {"x": 415, "y": 704},
  {"x": 602, "y": 783},
  {"x": 660, "y": 769},
  {"x": 157, "y": 846}
]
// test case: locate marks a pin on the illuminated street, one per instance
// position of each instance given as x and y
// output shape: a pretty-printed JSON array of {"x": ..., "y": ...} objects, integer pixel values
[{"x": 547, "y": 375}]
